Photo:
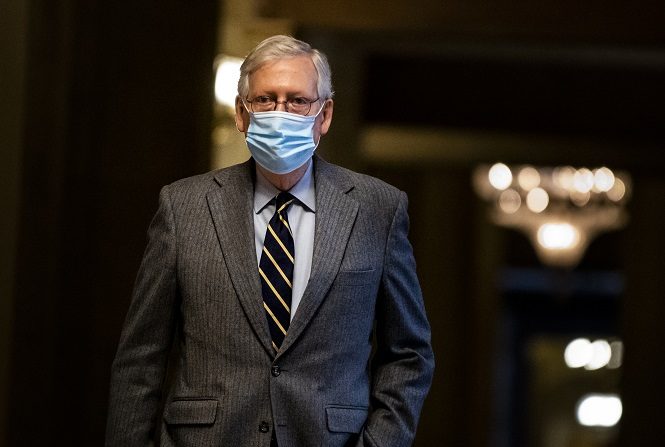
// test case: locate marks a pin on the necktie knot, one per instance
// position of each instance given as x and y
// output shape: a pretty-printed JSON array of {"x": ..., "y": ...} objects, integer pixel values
[{"x": 283, "y": 201}]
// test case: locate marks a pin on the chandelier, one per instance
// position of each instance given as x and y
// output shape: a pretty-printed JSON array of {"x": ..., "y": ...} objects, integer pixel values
[{"x": 560, "y": 209}]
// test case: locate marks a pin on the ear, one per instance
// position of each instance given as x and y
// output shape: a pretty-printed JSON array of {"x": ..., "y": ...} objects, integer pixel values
[
  {"x": 327, "y": 114},
  {"x": 242, "y": 117}
]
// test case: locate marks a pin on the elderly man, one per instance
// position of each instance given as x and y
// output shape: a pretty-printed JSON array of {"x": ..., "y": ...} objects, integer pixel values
[{"x": 277, "y": 302}]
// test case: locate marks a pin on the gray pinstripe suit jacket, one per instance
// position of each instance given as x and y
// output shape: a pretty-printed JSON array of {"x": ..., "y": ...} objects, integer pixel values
[{"x": 197, "y": 306}]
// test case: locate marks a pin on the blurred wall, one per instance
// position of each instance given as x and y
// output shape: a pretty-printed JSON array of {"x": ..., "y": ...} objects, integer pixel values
[
  {"x": 116, "y": 103},
  {"x": 13, "y": 35}
]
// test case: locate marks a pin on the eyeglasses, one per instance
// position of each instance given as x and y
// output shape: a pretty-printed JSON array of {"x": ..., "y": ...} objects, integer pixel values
[{"x": 298, "y": 105}]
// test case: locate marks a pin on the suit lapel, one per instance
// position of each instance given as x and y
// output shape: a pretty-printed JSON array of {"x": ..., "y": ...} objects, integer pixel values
[
  {"x": 231, "y": 208},
  {"x": 335, "y": 215}
]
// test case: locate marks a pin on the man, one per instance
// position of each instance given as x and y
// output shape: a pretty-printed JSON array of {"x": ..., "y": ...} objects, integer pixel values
[{"x": 271, "y": 281}]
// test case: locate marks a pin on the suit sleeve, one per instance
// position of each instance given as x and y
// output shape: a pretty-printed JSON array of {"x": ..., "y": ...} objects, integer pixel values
[
  {"x": 140, "y": 364},
  {"x": 403, "y": 363}
]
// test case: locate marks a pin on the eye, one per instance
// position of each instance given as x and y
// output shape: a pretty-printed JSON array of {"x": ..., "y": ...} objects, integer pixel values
[
  {"x": 299, "y": 101},
  {"x": 264, "y": 99}
]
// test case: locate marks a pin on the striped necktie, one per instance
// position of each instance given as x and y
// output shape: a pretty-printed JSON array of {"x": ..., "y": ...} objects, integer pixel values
[{"x": 276, "y": 270}]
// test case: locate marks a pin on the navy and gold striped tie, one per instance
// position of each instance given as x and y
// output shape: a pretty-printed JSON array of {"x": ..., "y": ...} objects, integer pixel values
[{"x": 276, "y": 270}]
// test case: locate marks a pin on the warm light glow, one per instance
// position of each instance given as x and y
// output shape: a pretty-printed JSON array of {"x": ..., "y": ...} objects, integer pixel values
[
  {"x": 603, "y": 179},
  {"x": 599, "y": 410},
  {"x": 616, "y": 360},
  {"x": 226, "y": 80},
  {"x": 577, "y": 353},
  {"x": 563, "y": 177},
  {"x": 581, "y": 352},
  {"x": 537, "y": 200},
  {"x": 500, "y": 176},
  {"x": 583, "y": 180},
  {"x": 528, "y": 178},
  {"x": 580, "y": 198},
  {"x": 510, "y": 201},
  {"x": 561, "y": 209},
  {"x": 617, "y": 191},
  {"x": 558, "y": 236},
  {"x": 600, "y": 355}
]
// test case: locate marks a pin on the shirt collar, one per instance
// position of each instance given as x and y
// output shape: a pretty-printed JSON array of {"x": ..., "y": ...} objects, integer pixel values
[{"x": 304, "y": 190}]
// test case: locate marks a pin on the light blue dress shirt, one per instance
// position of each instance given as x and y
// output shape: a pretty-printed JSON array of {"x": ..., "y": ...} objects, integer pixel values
[{"x": 301, "y": 219}]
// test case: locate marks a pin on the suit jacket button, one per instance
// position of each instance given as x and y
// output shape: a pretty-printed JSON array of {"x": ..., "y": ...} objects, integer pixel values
[
  {"x": 264, "y": 427},
  {"x": 276, "y": 370}
]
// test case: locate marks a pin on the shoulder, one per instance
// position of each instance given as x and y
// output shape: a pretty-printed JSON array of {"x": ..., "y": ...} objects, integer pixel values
[
  {"x": 362, "y": 187},
  {"x": 192, "y": 192},
  {"x": 202, "y": 183}
]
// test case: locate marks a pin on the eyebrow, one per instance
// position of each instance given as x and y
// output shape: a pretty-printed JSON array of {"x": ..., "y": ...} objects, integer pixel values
[{"x": 288, "y": 95}]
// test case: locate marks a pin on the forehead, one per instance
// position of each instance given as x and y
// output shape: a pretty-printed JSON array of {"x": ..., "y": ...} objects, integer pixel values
[{"x": 295, "y": 75}]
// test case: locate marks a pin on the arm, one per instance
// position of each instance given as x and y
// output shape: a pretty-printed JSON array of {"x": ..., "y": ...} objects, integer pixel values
[
  {"x": 403, "y": 364},
  {"x": 140, "y": 363}
]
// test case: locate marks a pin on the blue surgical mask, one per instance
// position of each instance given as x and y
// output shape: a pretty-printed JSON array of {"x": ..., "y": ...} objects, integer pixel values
[{"x": 281, "y": 142}]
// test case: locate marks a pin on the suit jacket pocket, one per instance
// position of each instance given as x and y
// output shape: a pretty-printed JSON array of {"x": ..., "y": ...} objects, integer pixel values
[
  {"x": 354, "y": 277},
  {"x": 344, "y": 419},
  {"x": 191, "y": 412}
]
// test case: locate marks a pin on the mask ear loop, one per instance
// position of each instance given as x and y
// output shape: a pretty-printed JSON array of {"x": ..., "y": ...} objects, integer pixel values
[
  {"x": 321, "y": 109},
  {"x": 325, "y": 101},
  {"x": 236, "y": 119}
]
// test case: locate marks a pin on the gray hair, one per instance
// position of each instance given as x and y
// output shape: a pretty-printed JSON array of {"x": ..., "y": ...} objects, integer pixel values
[{"x": 278, "y": 47}]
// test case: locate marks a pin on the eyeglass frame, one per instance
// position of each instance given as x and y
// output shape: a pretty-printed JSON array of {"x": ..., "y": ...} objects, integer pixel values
[{"x": 286, "y": 104}]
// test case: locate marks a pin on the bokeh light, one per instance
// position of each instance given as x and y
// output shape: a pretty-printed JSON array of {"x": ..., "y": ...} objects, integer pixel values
[
  {"x": 537, "y": 200},
  {"x": 558, "y": 236},
  {"x": 500, "y": 176},
  {"x": 599, "y": 410}
]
